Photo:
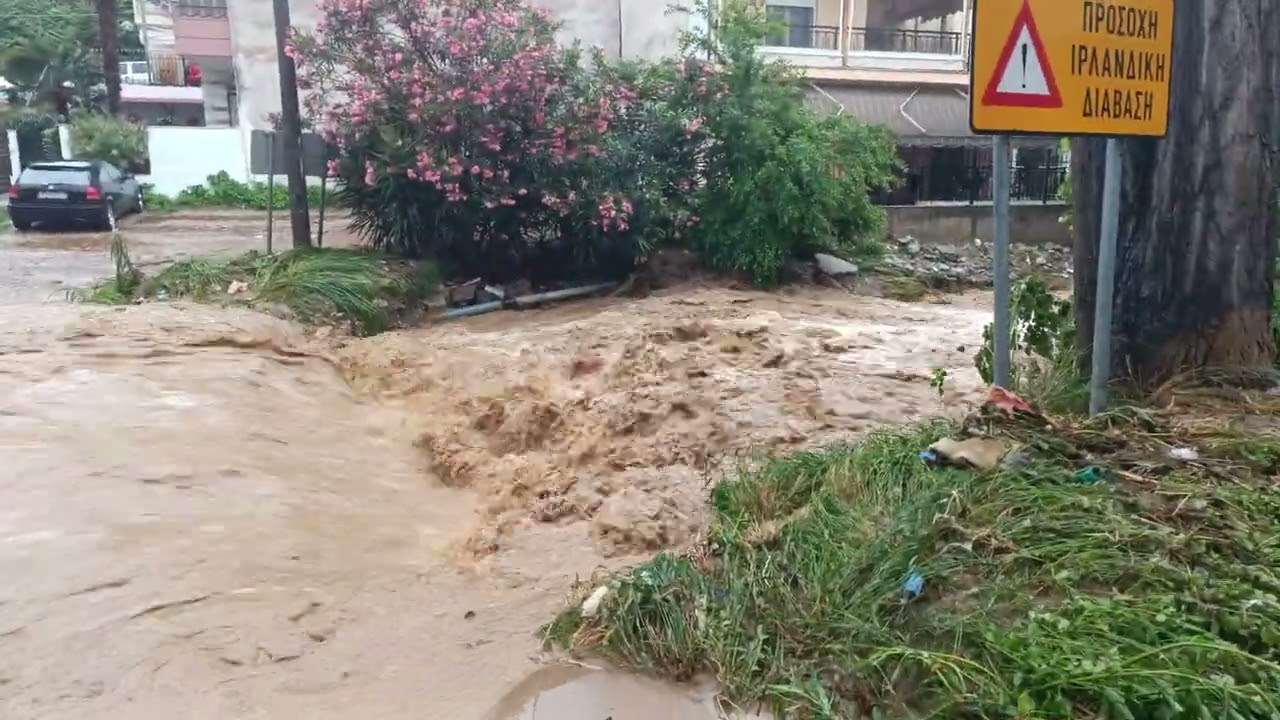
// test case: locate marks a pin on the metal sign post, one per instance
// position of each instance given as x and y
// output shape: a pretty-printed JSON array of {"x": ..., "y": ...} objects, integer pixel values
[
  {"x": 1101, "y": 371},
  {"x": 271, "y": 188},
  {"x": 1079, "y": 67},
  {"x": 320, "y": 228},
  {"x": 266, "y": 156},
  {"x": 1000, "y": 260}
]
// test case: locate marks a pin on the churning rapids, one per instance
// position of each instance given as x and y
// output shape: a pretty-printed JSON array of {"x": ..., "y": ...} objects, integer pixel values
[{"x": 211, "y": 513}]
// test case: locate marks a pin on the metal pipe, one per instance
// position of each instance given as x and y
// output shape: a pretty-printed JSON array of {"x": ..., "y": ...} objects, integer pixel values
[
  {"x": 482, "y": 308},
  {"x": 903, "y": 109},
  {"x": 828, "y": 96}
]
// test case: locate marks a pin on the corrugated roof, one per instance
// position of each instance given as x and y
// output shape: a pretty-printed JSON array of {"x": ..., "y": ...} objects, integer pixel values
[{"x": 917, "y": 115}]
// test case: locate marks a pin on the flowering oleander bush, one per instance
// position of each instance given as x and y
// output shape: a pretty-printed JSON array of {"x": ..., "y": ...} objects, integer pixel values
[{"x": 466, "y": 133}]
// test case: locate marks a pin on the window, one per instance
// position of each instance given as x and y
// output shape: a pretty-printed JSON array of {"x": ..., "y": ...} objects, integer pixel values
[
  {"x": 797, "y": 18},
  {"x": 52, "y": 175}
]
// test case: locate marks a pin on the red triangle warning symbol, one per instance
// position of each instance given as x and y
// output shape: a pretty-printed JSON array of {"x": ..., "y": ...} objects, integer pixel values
[{"x": 1023, "y": 77}]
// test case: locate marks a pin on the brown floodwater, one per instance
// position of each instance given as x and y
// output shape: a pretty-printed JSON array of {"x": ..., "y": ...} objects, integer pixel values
[{"x": 210, "y": 513}]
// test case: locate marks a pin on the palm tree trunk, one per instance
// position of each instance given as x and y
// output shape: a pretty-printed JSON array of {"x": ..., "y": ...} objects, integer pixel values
[{"x": 109, "y": 38}]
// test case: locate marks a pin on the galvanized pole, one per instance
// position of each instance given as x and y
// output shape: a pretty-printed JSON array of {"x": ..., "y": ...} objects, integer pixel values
[
  {"x": 271, "y": 187},
  {"x": 320, "y": 232},
  {"x": 1000, "y": 259},
  {"x": 1101, "y": 375}
]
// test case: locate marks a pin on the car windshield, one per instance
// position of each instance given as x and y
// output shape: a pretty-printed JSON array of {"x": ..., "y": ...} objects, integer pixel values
[{"x": 54, "y": 176}]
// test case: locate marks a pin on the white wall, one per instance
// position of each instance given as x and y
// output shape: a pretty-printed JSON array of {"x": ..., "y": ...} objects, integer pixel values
[
  {"x": 15, "y": 166},
  {"x": 183, "y": 156},
  {"x": 186, "y": 156}
]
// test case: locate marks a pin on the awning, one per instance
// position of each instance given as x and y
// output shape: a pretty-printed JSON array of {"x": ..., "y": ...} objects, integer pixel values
[
  {"x": 895, "y": 12},
  {"x": 918, "y": 115}
]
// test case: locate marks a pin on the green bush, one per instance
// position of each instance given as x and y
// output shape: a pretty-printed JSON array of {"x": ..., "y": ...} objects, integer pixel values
[
  {"x": 780, "y": 180},
  {"x": 1044, "y": 362},
  {"x": 102, "y": 137},
  {"x": 224, "y": 191}
]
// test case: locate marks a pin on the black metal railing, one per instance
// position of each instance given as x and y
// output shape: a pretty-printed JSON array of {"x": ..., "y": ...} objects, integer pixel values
[
  {"x": 167, "y": 69},
  {"x": 200, "y": 8},
  {"x": 814, "y": 37},
  {"x": 898, "y": 40},
  {"x": 972, "y": 184}
]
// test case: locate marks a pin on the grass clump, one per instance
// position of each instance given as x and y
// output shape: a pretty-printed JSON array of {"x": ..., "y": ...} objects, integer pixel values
[
  {"x": 223, "y": 191},
  {"x": 1097, "y": 577},
  {"x": 319, "y": 285}
]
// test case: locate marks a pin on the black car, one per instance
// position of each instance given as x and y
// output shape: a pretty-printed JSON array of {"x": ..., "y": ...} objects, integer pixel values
[{"x": 73, "y": 192}]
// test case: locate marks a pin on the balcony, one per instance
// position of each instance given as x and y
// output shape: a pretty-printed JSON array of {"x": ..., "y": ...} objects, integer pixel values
[
  {"x": 890, "y": 40},
  {"x": 201, "y": 28},
  {"x": 927, "y": 42},
  {"x": 157, "y": 69},
  {"x": 811, "y": 37}
]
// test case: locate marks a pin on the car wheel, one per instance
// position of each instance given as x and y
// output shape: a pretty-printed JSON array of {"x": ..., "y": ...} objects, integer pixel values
[
  {"x": 21, "y": 225},
  {"x": 139, "y": 203},
  {"x": 109, "y": 218}
]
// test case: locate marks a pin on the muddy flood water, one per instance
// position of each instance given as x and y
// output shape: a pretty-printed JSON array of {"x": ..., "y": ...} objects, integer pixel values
[{"x": 211, "y": 513}]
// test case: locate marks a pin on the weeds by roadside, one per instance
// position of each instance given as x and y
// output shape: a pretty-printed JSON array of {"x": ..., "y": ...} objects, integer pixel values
[
  {"x": 224, "y": 191},
  {"x": 365, "y": 289}
]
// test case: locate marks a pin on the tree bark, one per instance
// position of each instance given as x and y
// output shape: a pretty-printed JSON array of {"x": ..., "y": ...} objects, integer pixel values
[
  {"x": 1196, "y": 249},
  {"x": 109, "y": 39}
]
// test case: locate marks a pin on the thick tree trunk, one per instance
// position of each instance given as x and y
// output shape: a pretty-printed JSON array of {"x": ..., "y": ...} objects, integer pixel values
[
  {"x": 109, "y": 39},
  {"x": 1197, "y": 240}
]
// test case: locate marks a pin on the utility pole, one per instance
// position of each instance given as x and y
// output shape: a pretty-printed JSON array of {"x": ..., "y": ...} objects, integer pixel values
[
  {"x": 291, "y": 131},
  {"x": 109, "y": 39}
]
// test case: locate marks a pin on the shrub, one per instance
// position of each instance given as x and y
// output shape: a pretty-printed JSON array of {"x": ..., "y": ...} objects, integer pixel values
[
  {"x": 102, "y": 137},
  {"x": 780, "y": 179},
  {"x": 224, "y": 191},
  {"x": 466, "y": 132}
]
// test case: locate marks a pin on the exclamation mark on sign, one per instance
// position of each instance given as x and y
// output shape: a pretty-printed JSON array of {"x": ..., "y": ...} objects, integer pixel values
[{"x": 1024, "y": 66}]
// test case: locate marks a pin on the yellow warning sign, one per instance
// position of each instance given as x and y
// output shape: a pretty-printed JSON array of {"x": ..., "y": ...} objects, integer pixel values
[{"x": 1071, "y": 67}]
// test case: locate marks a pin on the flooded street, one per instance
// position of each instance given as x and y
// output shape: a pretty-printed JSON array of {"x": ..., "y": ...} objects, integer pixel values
[{"x": 211, "y": 513}]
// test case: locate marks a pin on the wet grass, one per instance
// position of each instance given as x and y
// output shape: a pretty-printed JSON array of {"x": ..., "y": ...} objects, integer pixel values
[
  {"x": 1043, "y": 593},
  {"x": 321, "y": 285}
]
